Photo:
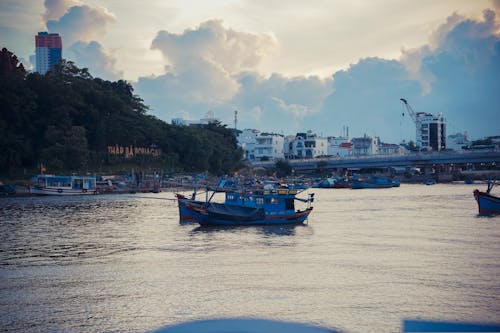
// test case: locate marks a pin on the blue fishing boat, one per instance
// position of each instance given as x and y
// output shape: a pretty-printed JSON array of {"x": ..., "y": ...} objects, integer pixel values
[
  {"x": 372, "y": 182},
  {"x": 186, "y": 204},
  {"x": 488, "y": 204},
  {"x": 254, "y": 208},
  {"x": 185, "y": 207},
  {"x": 334, "y": 183}
]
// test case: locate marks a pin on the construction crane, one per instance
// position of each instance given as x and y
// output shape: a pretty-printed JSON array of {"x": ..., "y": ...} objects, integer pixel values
[
  {"x": 430, "y": 129},
  {"x": 412, "y": 113}
]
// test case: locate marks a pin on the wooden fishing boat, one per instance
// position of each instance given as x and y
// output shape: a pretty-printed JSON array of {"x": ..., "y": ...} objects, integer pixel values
[
  {"x": 254, "y": 208},
  {"x": 186, "y": 207},
  {"x": 488, "y": 204}
]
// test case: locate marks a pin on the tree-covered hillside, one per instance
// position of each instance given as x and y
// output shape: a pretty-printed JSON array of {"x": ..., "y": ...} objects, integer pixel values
[{"x": 68, "y": 121}]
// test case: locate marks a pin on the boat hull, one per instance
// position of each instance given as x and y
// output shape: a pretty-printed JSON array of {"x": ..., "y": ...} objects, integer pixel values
[
  {"x": 186, "y": 208},
  {"x": 360, "y": 185},
  {"x": 487, "y": 204},
  {"x": 61, "y": 191},
  {"x": 205, "y": 218}
]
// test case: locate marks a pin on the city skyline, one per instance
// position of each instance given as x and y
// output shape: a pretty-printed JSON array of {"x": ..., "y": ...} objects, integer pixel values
[{"x": 285, "y": 67}]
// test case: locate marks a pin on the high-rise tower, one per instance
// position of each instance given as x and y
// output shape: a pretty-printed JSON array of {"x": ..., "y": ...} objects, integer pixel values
[
  {"x": 430, "y": 129},
  {"x": 48, "y": 51}
]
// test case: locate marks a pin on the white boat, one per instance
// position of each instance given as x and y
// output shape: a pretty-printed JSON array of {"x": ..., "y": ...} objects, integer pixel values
[{"x": 63, "y": 185}]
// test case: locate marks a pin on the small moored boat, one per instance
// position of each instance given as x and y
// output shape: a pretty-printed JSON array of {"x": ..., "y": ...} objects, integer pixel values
[
  {"x": 488, "y": 204},
  {"x": 63, "y": 185},
  {"x": 372, "y": 182}
]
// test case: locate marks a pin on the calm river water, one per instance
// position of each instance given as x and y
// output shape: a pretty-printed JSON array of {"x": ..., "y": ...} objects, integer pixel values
[{"x": 367, "y": 260}]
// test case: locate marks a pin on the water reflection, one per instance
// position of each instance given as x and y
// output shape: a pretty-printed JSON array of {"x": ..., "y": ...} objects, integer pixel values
[{"x": 266, "y": 230}]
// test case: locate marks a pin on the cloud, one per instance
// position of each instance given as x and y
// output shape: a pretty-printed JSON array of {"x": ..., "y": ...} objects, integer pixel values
[
  {"x": 203, "y": 61},
  {"x": 81, "y": 27},
  {"x": 366, "y": 97},
  {"x": 455, "y": 73},
  {"x": 54, "y": 9},
  {"x": 231, "y": 51},
  {"x": 279, "y": 103},
  {"x": 216, "y": 68},
  {"x": 203, "y": 64},
  {"x": 466, "y": 66},
  {"x": 81, "y": 23},
  {"x": 93, "y": 56}
]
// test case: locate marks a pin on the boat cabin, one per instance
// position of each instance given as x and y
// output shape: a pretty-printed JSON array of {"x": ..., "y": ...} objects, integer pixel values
[
  {"x": 280, "y": 201},
  {"x": 66, "y": 182}
]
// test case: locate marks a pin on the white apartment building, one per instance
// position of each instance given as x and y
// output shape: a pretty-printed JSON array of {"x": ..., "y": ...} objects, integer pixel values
[
  {"x": 269, "y": 146},
  {"x": 431, "y": 131},
  {"x": 367, "y": 145},
  {"x": 339, "y": 146},
  {"x": 208, "y": 119},
  {"x": 390, "y": 149},
  {"x": 306, "y": 145},
  {"x": 247, "y": 140}
]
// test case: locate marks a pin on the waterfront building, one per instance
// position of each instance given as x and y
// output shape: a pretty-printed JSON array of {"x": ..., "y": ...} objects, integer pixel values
[
  {"x": 268, "y": 146},
  {"x": 390, "y": 149},
  {"x": 339, "y": 146},
  {"x": 366, "y": 145},
  {"x": 457, "y": 141},
  {"x": 208, "y": 119},
  {"x": 48, "y": 51},
  {"x": 306, "y": 145},
  {"x": 247, "y": 140},
  {"x": 431, "y": 131}
]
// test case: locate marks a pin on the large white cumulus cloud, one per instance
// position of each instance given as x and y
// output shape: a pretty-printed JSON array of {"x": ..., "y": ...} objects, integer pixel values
[
  {"x": 92, "y": 55},
  {"x": 81, "y": 28},
  {"x": 455, "y": 73},
  {"x": 216, "y": 68},
  {"x": 82, "y": 23}
]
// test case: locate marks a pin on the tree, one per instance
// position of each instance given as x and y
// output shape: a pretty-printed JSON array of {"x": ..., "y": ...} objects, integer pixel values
[
  {"x": 283, "y": 168},
  {"x": 66, "y": 119},
  {"x": 9, "y": 64}
]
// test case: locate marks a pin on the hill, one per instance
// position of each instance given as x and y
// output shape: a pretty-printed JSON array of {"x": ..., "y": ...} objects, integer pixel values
[{"x": 69, "y": 121}]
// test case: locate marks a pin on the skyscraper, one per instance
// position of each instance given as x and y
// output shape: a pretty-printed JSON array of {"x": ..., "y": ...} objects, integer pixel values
[{"x": 48, "y": 51}]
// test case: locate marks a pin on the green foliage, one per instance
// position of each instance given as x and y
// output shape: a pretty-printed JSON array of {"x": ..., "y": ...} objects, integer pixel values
[
  {"x": 411, "y": 146},
  {"x": 283, "y": 168},
  {"x": 66, "y": 119}
]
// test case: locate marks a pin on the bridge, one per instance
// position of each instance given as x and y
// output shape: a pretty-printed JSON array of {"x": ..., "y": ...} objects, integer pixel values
[{"x": 449, "y": 160}]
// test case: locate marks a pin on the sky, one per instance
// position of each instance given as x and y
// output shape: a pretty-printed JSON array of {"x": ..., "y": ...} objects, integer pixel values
[{"x": 285, "y": 66}]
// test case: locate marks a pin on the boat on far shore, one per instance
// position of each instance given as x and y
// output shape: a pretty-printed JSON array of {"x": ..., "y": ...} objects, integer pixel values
[
  {"x": 488, "y": 204},
  {"x": 63, "y": 185},
  {"x": 374, "y": 182}
]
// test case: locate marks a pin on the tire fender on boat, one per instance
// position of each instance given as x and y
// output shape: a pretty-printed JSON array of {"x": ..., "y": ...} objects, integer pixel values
[
  {"x": 59, "y": 190},
  {"x": 84, "y": 191}
]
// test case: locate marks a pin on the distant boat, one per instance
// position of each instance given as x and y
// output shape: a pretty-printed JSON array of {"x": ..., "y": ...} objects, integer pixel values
[
  {"x": 335, "y": 183},
  {"x": 63, "y": 185},
  {"x": 488, "y": 204},
  {"x": 254, "y": 208},
  {"x": 430, "y": 182},
  {"x": 372, "y": 182}
]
